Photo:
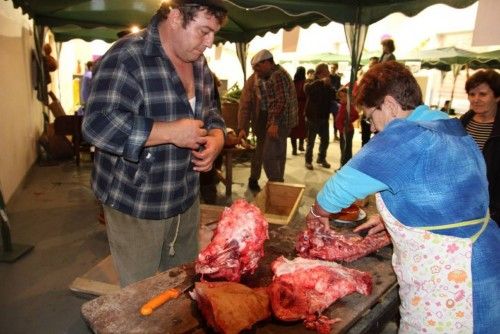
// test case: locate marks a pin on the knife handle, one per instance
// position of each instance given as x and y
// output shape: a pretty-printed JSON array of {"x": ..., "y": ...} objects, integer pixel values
[{"x": 159, "y": 300}]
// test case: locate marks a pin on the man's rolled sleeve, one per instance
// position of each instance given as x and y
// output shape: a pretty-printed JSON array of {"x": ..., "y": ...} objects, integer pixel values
[{"x": 141, "y": 130}]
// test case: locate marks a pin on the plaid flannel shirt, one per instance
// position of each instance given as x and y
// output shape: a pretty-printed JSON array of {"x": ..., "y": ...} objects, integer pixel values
[
  {"x": 134, "y": 85},
  {"x": 281, "y": 99}
]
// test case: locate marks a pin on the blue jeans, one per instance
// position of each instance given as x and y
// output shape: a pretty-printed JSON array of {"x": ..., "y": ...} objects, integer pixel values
[
  {"x": 320, "y": 128},
  {"x": 274, "y": 156}
]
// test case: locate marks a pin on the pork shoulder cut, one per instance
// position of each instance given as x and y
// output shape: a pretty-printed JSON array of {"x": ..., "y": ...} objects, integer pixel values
[
  {"x": 320, "y": 242},
  {"x": 230, "y": 307},
  {"x": 303, "y": 288},
  {"x": 237, "y": 244}
]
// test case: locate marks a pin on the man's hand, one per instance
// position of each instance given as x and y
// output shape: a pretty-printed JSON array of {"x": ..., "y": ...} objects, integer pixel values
[
  {"x": 203, "y": 159},
  {"x": 272, "y": 131},
  {"x": 185, "y": 133},
  {"x": 375, "y": 224},
  {"x": 242, "y": 135}
]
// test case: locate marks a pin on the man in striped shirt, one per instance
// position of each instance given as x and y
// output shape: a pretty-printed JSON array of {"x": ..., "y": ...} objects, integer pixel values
[{"x": 153, "y": 117}]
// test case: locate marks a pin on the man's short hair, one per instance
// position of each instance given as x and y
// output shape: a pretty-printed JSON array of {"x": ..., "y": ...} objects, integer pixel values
[{"x": 190, "y": 8}]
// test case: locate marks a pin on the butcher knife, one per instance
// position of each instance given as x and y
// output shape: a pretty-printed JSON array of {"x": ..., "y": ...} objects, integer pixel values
[{"x": 162, "y": 298}]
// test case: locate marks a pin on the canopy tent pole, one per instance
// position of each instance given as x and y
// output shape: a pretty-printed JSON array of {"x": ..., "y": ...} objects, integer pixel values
[
  {"x": 455, "y": 68},
  {"x": 241, "y": 52},
  {"x": 355, "y": 35}
]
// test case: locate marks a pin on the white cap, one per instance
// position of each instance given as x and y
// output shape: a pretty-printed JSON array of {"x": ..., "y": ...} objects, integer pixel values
[{"x": 260, "y": 56}]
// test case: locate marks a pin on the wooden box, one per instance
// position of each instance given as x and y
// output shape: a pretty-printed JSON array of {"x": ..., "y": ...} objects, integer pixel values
[
  {"x": 210, "y": 213},
  {"x": 280, "y": 201}
]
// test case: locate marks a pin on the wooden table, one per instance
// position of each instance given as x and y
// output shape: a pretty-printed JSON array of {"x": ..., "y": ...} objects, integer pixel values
[{"x": 119, "y": 312}]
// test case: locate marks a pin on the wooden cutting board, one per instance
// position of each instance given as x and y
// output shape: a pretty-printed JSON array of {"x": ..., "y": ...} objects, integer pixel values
[{"x": 119, "y": 312}]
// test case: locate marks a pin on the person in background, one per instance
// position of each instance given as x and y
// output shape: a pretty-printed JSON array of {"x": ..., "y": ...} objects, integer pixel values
[
  {"x": 388, "y": 49},
  {"x": 335, "y": 81},
  {"x": 277, "y": 114},
  {"x": 335, "y": 76},
  {"x": 320, "y": 95},
  {"x": 366, "y": 132},
  {"x": 85, "y": 87},
  {"x": 346, "y": 133},
  {"x": 310, "y": 75},
  {"x": 299, "y": 132},
  {"x": 249, "y": 115},
  {"x": 86, "y": 82},
  {"x": 153, "y": 117},
  {"x": 447, "y": 108},
  {"x": 373, "y": 61},
  {"x": 483, "y": 124},
  {"x": 443, "y": 238}
]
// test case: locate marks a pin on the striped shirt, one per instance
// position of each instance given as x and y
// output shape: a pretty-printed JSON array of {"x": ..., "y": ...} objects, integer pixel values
[
  {"x": 479, "y": 131},
  {"x": 135, "y": 84}
]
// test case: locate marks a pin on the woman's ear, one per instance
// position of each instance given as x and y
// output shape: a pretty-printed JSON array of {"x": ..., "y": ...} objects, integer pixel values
[{"x": 393, "y": 107}]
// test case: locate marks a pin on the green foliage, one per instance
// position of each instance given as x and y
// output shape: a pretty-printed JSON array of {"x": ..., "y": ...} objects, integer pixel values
[{"x": 232, "y": 95}]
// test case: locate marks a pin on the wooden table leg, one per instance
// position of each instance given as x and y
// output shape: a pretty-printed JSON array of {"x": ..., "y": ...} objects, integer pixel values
[{"x": 229, "y": 172}]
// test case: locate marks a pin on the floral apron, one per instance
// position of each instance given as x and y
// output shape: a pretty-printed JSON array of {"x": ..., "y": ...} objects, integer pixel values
[{"x": 434, "y": 275}]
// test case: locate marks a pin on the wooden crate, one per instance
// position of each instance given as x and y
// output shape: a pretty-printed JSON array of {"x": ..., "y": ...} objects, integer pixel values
[
  {"x": 280, "y": 201},
  {"x": 210, "y": 213}
]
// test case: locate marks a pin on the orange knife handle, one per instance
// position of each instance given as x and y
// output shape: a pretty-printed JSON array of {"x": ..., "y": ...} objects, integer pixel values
[{"x": 159, "y": 300}]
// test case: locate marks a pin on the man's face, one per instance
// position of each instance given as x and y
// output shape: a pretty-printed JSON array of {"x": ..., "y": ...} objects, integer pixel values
[
  {"x": 190, "y": 42},
  {"x": 263, "y": 69},
  {"x": 322, "y": 73}
]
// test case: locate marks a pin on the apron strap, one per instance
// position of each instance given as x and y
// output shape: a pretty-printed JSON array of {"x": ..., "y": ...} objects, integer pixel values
[{"x": 483, "y": 221}]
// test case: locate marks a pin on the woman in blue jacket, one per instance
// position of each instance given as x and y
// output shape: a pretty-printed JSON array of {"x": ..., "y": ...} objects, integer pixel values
[{"x": 430, "y": 182}]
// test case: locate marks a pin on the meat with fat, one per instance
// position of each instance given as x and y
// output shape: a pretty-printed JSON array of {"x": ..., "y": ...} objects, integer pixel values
[
  {"x": 237, "y": 244},
  {"x": 320, "y": 242},
  {"x": 303, "y": 288},
  {"x": 230, "y": 307}
]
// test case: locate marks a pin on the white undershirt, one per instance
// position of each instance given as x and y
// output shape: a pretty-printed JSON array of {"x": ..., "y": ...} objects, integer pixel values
[{"x": 192, "y": 102}]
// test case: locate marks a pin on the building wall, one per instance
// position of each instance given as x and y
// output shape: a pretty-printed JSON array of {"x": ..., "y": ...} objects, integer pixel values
[{"x": 21, "y": 119}]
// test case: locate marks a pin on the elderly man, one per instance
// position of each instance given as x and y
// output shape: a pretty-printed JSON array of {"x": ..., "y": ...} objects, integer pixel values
[
  {"x": 270, "y": 101},
  {"x": 153, "y": 117}
]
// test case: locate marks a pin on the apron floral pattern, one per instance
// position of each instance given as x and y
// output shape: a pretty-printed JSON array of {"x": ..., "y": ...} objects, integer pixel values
[{"x": 434, "y": 275}]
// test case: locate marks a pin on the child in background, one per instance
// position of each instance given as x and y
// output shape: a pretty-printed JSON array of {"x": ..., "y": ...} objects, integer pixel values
[{"x": 340, "y": 119}]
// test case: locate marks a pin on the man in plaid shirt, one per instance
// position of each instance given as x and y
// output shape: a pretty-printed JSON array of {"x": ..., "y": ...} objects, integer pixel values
[
  {"x": 153, "y": 118},
  {"x": 275, "y": 115}
]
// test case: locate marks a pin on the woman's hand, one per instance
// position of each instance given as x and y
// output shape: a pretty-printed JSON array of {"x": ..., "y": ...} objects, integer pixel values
[
  {"x": 317, "y": 218},
  {"x": 375, "y": 224}
]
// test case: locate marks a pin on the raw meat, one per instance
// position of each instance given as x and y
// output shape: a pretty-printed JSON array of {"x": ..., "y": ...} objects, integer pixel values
[
  {"x": 237, "y": 244},
  {"x": 320, "y": 242},
  {"x": 231, "y": 307},
  {"x": 303, "y": 288}
]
